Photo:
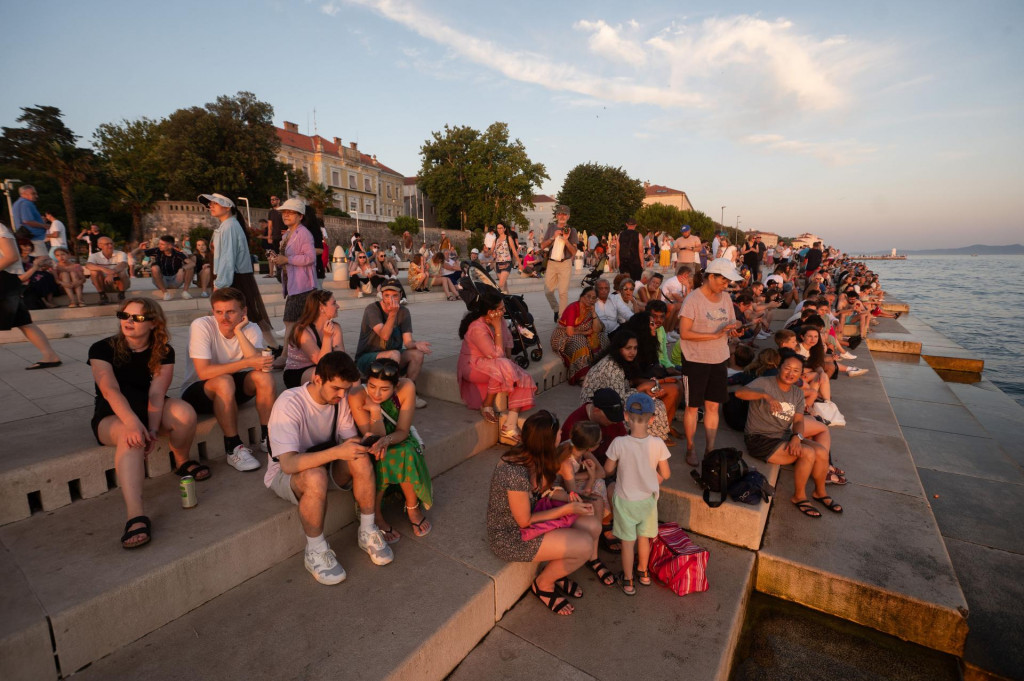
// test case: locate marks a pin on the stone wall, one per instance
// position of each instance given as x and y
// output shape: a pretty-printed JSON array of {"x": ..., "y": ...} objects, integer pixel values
[{"x": 178, "y": 217}]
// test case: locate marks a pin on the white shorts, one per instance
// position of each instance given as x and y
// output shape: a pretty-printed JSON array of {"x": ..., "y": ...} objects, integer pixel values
[{"x": 281, "y": 485}]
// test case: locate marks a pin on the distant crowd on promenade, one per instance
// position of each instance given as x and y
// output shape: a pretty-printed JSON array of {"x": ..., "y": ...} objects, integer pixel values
[{"x": 683, "y": 331}]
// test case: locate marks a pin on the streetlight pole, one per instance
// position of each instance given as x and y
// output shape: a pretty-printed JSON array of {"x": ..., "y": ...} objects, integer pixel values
[
  {"x": 287, "y": 187},
  {"x": 8, "y": 188},
  {"x": 722, "y": 220},
  {"x": 737, "y": 235},
  {"x": 423, "y": 214},
  {"x": 248, "y": 215}
]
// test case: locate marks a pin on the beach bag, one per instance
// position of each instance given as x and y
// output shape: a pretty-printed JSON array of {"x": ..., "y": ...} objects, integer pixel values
[
  {"x": 677, "y": 562},
  {"x": 537, "y": 529},
  {"x": 752, "y": 488},
  {"x": 720, "y": 469},
  {"x": 828, "y": 413},
  {"x": 366, "y": 287}
]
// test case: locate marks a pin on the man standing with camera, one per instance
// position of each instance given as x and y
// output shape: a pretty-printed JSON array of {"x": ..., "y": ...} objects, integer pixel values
[{"x": 562, "y": 240}]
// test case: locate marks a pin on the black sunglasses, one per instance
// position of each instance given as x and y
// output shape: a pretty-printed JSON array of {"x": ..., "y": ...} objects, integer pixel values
[
  {"x": 124, "y": 316},
  {"x": 386, "y": 371},
  {"x": 554, "y": 419}
]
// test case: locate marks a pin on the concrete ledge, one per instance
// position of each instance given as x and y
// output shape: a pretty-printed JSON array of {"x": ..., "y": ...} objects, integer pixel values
[
  {"x": 895, "y": 306},
  {"x": 26, "y": 653},
  {"x": 942, "y": 359},
  {"x": 893, "y": 342}
]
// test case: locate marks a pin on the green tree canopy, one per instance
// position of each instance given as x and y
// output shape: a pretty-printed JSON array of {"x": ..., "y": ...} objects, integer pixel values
[
  {"x": 46, "y": 145},
  {"x": 601, "y": 197},
  {"x": 476, "y": 179},
  {"x": 128, "y": 155},
  {"x": 658, "y": 217},
  {"x": 404, "y": 223},
  {"x": 318, "y": 195}
]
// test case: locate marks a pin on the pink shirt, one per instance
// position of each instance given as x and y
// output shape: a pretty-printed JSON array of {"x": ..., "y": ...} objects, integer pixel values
[{"x": 301, "y": 254}]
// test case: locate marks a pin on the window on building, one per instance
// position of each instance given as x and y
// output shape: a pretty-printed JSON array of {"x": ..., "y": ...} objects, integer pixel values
[
  {"x": 368, "y": 206},
  {"x": 335, "y": 178},
  {"x": 353, "y": 206},
  {"x": 389, "y": 191},
  {"x": 352, "y": 181},
  {"x": 366, "y": 185}
]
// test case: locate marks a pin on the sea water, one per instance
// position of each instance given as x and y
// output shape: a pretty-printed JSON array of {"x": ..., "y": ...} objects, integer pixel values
[{"x": 977, "y": 301}]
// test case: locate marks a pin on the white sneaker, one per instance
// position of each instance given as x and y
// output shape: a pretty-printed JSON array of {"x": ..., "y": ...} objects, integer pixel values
[
  {"x": 185, "y": 295},
  {"x": 854, "y": 371},
  {"x": 420, "y": 402},
  {"x": 168, "y": 296},
  {"x": 847, "y": 355},
  {"x": 264, "y": 446},
  {"x": 241, "y": 459},
  {"x": 375, "y": 546},
  {"x": 324, "y": 567},
  {"x": 204, "y": 294}
]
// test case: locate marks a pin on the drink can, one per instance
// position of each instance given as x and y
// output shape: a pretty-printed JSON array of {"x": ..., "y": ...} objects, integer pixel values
[
  {"x": 267, "y": 352},
  {"x": 187, "y": 486}
]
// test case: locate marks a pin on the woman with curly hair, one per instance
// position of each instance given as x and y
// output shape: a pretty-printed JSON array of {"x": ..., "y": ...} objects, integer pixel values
[{"x": 132, "y": 371}]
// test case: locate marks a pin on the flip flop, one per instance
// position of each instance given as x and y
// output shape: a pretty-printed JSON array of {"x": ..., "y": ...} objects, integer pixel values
[
  {"x": 807, "y": 509},
  {"x": 128, "y": 534},
  {"x": 43, "y": 365},
  {"x": 829, "y": 503}
]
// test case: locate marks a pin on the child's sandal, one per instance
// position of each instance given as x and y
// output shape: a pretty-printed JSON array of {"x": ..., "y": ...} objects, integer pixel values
[
  {"x": 627, "y": 585},
  {"x": 644, "y": 577}
]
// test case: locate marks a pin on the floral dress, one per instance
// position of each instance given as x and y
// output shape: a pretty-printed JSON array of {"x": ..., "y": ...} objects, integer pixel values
[
  {"x": 503, "y": 534},
  {"x": 404, "y": 461},
  {"x": 608, "y": 374},
  {"x": 577, "y": 351}
]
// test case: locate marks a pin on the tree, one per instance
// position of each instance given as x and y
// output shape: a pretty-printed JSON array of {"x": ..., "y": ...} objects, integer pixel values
[
  {"x": 318, "y": 195},
  {"x": 658, "y": 217},
  {"x": 228, "y": 146},
  {"x": 404, "y": 223},
  {"x": 601, "y": 197},
  {"x": 128, "y": 154},
  {"x": 476, "y": 178},
  {"x": 47, "y": 146}
]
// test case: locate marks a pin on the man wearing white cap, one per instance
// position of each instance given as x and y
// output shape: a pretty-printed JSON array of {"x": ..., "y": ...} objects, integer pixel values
[{"x": 705, "y": 323}]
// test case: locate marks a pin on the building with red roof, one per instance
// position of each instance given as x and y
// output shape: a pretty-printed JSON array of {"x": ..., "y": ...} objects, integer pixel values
[{"x": 657, "y": 193}]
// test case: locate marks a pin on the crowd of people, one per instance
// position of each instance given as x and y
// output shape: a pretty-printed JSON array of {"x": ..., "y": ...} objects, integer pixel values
[{"x": 640, "y": 347}]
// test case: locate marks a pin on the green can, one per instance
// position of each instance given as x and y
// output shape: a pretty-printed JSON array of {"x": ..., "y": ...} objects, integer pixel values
[{"x": 187, "y": 486}]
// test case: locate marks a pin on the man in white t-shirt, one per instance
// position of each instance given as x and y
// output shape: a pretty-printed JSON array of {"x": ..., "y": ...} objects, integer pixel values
[
  {"x": 226, "y": 367},
  {"x": 687, "y": 248},
  {"x": 675, "y": 289},
  {"x": 109, "y": 271},
  {"x": 315, "y": 449},
  {"x": 56, "y": 234}
]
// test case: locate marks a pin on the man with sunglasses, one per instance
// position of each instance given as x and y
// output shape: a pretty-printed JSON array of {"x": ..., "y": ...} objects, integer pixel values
[
  {"x": 386, "y": 333},
  {"x": 316, "y": 448},
  {"x": 226, "y": 367}
]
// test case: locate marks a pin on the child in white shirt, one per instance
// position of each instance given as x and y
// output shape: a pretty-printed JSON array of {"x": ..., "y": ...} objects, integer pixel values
[{"x": 642, "y": 464}]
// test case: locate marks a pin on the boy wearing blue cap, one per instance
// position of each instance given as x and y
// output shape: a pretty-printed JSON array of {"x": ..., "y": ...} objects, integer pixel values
[{"x": 642, "y": 464}]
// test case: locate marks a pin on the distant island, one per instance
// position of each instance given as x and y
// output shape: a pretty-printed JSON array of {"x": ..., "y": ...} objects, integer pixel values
[{"x": 975, "y": 249}]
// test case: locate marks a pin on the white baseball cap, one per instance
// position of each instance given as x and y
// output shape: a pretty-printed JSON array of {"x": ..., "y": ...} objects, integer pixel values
[
  {"x": 724, "y": 267},
  {"x": 293, "y": 205},
  {"x": 219, "y": 199}
]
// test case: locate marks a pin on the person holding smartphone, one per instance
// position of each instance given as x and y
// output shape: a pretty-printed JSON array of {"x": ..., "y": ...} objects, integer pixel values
[{"x": 561, "y": 239}]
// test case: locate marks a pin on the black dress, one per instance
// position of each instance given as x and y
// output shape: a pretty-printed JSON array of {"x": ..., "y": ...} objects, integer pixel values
[{"x": 133, "y": 380}]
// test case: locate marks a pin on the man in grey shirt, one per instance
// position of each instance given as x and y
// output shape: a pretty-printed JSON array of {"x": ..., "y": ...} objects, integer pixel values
[
  {"x": 386, "y": 333},
  {"x": 562, "y": 240}
]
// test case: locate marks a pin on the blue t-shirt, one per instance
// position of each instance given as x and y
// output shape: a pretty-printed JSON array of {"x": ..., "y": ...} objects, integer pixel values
[{"x": 24, "y": 210}]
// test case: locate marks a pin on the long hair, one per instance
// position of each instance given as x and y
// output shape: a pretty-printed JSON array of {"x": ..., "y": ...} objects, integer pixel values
[
  {"x": 310, "y": 313},
  {"x": 766, "y": 359},
  {"x": 537, "y": 449},
  {"x": 489, "y": 299},
  {"x": 159, "y": 340},
  {"x": 619, "y": 339}
]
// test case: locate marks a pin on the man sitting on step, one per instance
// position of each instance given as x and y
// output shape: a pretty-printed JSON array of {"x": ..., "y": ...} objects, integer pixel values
[
  {"x": 226, "y": 367},
  {"x": 315, "y": 448},
  {"x": 171, "y": 268}
]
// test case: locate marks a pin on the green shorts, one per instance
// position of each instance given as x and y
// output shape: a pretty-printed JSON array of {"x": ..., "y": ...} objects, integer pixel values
[{"x": 635, "y": 518}]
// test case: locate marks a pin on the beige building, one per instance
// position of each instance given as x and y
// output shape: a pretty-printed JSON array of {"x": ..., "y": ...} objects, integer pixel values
[
  {"x": 656, "y": 193},
  {"x": 806, "y": 239},
  {"x": 361, "y": 183},
  {"x": 769, "y": 239},
  {"x": 540, "y": 215},
  {"x": 417, "y": 203}
]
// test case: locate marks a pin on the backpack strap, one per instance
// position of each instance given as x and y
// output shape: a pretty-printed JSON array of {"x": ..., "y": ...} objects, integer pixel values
[{"x": 722, "y": 477}]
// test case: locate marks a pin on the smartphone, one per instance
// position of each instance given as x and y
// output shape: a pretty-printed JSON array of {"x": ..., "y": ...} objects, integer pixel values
[{"x": 369, "y": 440}]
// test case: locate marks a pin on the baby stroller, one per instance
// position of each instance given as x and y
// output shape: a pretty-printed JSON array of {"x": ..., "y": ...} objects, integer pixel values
[
  {"x": 595, "y": 273},
  {"x": 524, "y": 333}
]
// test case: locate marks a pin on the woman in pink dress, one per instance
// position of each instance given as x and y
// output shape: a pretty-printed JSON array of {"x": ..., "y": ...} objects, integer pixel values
[{"x": 485, "y": 369}]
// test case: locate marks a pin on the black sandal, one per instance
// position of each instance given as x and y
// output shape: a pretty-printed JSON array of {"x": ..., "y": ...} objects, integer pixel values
[
  {"x": 569, "y": 587},
  {"x": 128, "y": 534},
  {"x": 195, "y": 469},
  {"x": 602, "y": 571},
  {"x": 555, "y": 603},
  {"x": 612, "y": 545},
  {"x": 805, "y": 507},
  {"x": 829, "y": 503}
]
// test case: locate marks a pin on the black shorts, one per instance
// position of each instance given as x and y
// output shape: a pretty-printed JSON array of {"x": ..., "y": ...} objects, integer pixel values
[
  {"x": 634, "y": 269},
  {"x": 200, "y": 401},
  {"x": 13, "y": 312},
  {"x": 763, "y": 446},
  {"x": 293, "y": 377},
  {"x": 706, "y": 383}
]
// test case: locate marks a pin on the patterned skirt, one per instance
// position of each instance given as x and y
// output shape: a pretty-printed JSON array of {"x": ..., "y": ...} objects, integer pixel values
[{"x": 404, "y": 463}]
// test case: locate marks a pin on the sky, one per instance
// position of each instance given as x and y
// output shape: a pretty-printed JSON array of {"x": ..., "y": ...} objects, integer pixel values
[{"x": 872, "y": 124}]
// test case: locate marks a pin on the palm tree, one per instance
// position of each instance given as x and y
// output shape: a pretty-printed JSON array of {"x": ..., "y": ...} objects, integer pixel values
[{"x": 320, "y": 196}]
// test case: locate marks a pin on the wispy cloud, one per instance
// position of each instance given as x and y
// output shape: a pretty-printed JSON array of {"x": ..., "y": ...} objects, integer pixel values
[
  {"x": 838, "y": 153},
  {"x": 608, "y": 42}
]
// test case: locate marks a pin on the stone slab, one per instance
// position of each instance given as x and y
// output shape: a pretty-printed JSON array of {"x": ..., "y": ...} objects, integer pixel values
[
  {"x": 26, "y": 653},
  {"x": 942, "y": 358},
  {"x": 503, "y": 655},
  {"x": 655, "y": 634},
  {"x": 979, "y": 457},
  {"x": 994, "y": 591},
  {"x": 892, "y": 342},
  {"x": 872, "y": 460},
  {"x": 413, "y": 619},
  {"x": 1001, "y": 415},
  {"x": 945, "y": 418},
  {"x": 976, "y": 510},
  {"x": 921, "y": 387},
  {"x": 881, "y": 563}
]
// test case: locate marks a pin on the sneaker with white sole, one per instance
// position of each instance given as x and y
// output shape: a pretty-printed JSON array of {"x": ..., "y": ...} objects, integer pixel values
[
  {"x": 241, "y": 459},
  {"x": 204, "y": 294},
  {"x": 420, "y": 402},
  {"x": 847, "y": 355},
  {"x": 324, "y": 567},
  {"x": 376, "y": 546},
  {"x": 854, "y": 371},
  {"x": 168, "y": 296},
  {"x": 264, "y": 446},
  {"x": 185, "y": 295}
]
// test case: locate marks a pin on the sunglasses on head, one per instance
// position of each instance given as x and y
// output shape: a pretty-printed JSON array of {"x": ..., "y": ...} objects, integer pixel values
[
  {"x": 124, "y": 316},
  {"x": 385, "y": 371},
  {"x": 554, "y": 419}
]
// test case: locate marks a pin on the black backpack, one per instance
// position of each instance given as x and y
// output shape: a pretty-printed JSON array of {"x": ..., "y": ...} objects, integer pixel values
[
  {"x": 734, "y": 412},
  {"x": 719, "y": 470}
]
